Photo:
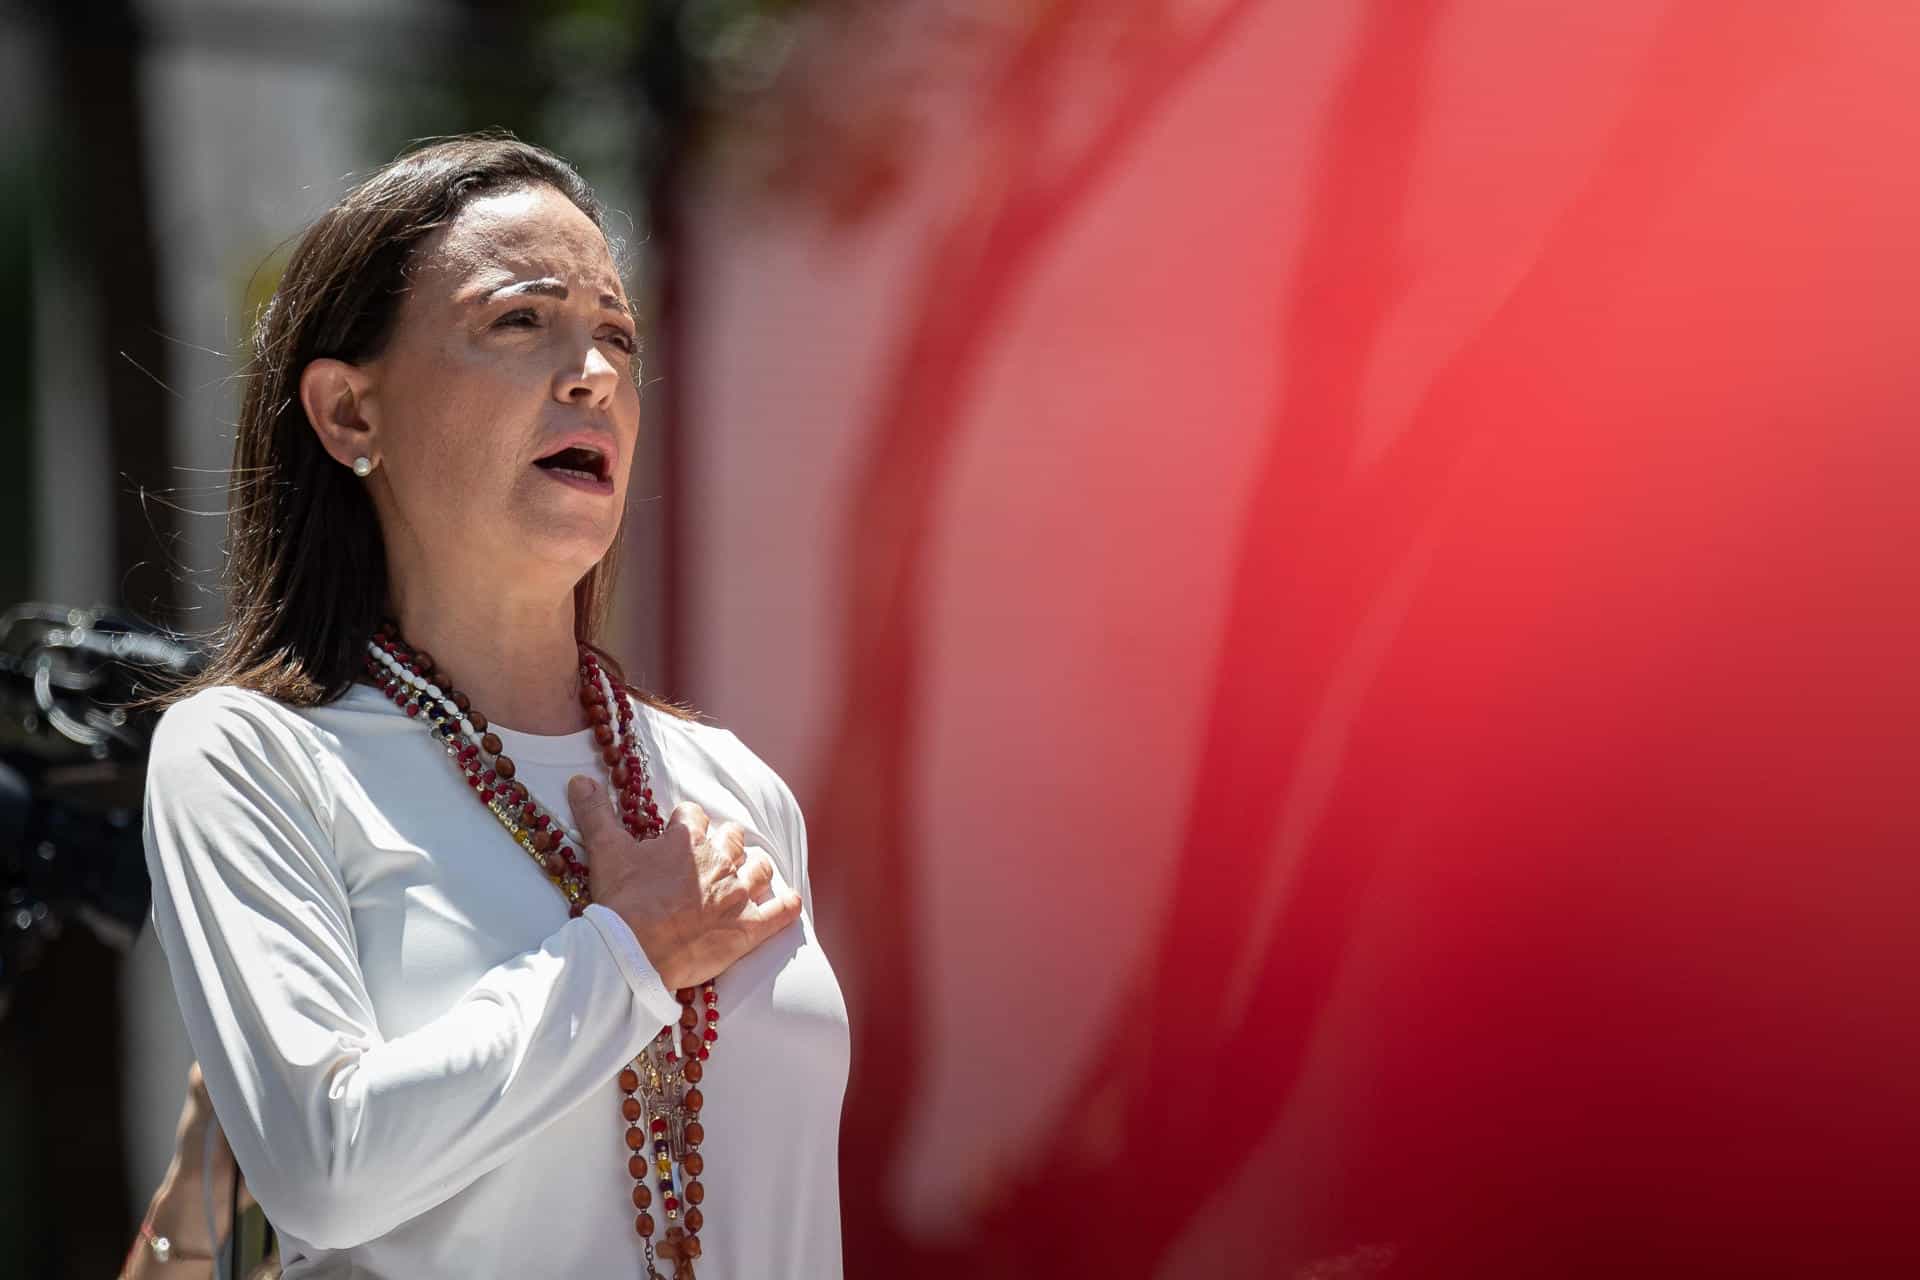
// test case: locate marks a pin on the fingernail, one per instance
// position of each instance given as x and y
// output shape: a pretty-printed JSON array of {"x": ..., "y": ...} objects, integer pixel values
[{"x": 581, "y": 785}]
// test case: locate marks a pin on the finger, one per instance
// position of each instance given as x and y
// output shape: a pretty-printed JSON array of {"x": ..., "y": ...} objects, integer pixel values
[
  {"x": 729, "y": 840},
  {"x": 592, "y": 811},
  {"x": 744, "y": 884},
  {"x": 691, "y": 816},
  {"x": 755, "y": 874},
  {"x": 769, "y": 917}
]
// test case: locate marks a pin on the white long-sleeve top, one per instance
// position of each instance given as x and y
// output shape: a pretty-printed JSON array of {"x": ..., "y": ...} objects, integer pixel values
[{"x": 412, "y": 1048}]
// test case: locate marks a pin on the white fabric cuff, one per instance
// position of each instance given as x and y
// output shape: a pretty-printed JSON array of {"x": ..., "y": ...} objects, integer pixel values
[{"x": 658, "y": 1002}]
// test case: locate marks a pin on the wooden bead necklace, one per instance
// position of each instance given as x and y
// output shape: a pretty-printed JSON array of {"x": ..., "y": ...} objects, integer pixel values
[{"x": 660, "y": 1098}]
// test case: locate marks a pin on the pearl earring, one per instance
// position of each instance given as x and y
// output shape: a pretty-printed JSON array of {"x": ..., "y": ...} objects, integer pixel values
[{"x": 363, "y": 467}]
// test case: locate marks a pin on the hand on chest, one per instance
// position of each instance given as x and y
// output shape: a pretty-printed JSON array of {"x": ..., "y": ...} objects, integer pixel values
[{"x": 441, "y": 893}]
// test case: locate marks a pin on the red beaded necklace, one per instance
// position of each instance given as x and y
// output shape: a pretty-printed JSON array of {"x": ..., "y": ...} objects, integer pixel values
[{"x": 660, "y": 1086}]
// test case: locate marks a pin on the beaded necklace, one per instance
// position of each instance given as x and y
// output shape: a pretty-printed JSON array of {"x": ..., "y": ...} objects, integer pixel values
[{"x": 660, "y": 1086}]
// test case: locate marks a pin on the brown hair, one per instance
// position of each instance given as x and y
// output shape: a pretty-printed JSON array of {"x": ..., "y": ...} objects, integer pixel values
[{"x": 306, "y": 566}]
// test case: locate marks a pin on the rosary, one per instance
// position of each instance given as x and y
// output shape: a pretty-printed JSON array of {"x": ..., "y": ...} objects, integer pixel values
[{"x": 660, "y": 1089}]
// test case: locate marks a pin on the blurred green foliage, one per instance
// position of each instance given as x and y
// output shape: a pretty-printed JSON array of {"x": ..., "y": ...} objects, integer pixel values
[{"x": 622, "y": 88}]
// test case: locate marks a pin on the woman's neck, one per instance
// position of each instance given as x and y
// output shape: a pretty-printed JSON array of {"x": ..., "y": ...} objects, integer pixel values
[{"x": 515, "y": 657}]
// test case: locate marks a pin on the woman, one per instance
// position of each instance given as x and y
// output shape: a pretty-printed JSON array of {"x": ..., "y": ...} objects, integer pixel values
[{"x": 451, "y": 1021}]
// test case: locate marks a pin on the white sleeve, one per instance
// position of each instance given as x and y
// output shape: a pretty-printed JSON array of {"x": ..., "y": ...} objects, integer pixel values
[{"x": 343, "y": 1133}]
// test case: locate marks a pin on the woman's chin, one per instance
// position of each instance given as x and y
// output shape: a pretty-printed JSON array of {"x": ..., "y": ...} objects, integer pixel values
[{"x": 564, "y": 544}]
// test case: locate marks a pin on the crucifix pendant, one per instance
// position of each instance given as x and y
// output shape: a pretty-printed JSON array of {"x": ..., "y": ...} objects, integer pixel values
[{"x": 674, "y": 1249}]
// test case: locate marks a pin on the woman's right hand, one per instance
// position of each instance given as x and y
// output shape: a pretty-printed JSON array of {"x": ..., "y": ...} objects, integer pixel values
[{"x": 690, "y": 895}]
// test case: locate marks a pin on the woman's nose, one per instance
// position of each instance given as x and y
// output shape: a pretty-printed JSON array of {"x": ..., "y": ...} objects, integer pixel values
[{"x": 591, "y": 381}]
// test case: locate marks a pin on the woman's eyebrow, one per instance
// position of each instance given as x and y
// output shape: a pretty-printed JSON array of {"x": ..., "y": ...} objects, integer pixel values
[{"x": 548, "y": 287}]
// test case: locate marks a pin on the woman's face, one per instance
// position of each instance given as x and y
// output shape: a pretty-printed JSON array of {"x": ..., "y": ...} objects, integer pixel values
[{"x": 513, "y": 341}]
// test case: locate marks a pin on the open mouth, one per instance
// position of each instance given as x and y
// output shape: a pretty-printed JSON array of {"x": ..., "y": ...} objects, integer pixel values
[{"x": 579, "y": 462}]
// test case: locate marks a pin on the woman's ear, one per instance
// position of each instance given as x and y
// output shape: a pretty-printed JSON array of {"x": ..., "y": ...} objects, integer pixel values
[{"x": 335, "y": 395}]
